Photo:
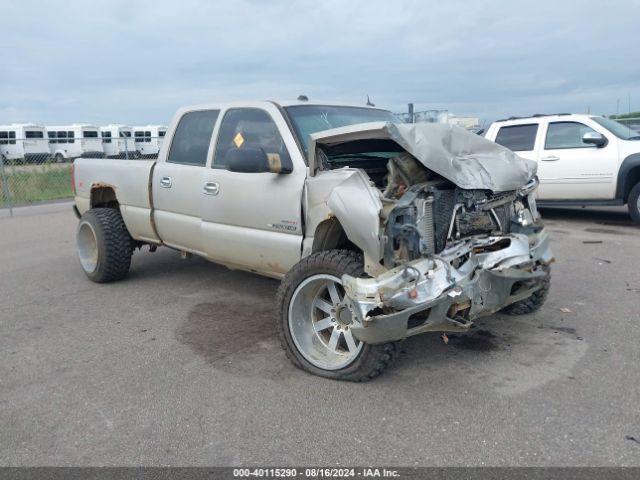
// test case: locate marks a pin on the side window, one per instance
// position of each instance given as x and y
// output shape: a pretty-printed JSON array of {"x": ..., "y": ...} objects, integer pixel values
[
  {"x": 147, "y": 137},
  {"x": 566, "y": 135},
  {"x": 3, "y": 138},
  {"x": 250, "y": 128},
  {"x": 139, "y": 136},
  {"x": 106, "y": 137},
  {"x": 192, "y": 137},
  {"x": 62, "y": 137},
  {"x": 70, "y": 135},
  {"x": 519, "y": 138},
  {"x": 52, "y": 137}
]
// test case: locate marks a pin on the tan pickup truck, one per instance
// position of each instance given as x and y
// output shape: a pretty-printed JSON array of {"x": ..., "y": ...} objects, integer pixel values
[{"x": 379, "y": 230}]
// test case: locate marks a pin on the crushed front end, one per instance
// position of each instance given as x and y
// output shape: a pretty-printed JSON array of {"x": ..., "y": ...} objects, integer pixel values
[{"x": 451, "y": 255}]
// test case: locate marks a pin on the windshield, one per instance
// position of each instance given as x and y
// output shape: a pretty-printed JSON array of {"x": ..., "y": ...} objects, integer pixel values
[
  {"x": 308, "y": 119},
  {"x": 618, "y": 129}
]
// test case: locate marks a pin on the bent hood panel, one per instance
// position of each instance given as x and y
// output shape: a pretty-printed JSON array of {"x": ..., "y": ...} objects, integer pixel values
[{"x": 468, "y": 160}]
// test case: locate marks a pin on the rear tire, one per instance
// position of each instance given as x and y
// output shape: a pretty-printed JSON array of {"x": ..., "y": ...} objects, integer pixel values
[
  {"x": 633, "y": 203},
  {"x": 306, "y": 342},
  {"x": 59, "y": 158},
  {"x": 532, "y": 303},
  {"x": 104, "y": 245}
]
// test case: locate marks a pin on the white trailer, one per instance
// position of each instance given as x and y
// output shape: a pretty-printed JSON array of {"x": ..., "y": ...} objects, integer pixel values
[
  {"x": 149, "y": 139},
  {"x": 117, "y": 141},
  {"x": 67, "y": 142},
  {"x": 23, "y": 142}
]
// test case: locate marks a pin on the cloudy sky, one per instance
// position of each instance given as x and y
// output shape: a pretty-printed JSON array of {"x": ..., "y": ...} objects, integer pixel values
[{"x": 137, "y": 61}]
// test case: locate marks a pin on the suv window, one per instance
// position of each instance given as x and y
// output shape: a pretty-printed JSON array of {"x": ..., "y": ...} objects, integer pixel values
[
  {"x": 250, "y": 128},
  {"x": 566, "y": 135},
  {"x": 192, "y": 137},
  {"x": 519, "y": 138}
]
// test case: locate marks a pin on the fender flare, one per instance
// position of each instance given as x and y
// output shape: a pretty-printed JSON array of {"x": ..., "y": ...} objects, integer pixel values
[{"x": 626, "y": 180}]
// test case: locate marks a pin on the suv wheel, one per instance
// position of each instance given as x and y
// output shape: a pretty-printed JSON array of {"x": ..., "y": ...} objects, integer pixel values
[
  {"x": 633, "y": 203},
  {"x": 313, "y": 320},
  {"x": 104, "y": 245}
]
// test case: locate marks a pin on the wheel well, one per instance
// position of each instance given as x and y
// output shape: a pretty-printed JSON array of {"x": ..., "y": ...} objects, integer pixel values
[
  {"x": 330, "y": 235},
  {"x": 104, "y": 197},
  {"x": 631, "y": 180}
]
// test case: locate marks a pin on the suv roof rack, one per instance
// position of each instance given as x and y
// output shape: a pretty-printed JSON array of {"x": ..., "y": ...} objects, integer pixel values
[{"x": 535, "y": 115}]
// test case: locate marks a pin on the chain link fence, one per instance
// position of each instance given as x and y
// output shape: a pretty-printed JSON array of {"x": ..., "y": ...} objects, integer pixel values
[{"x": 34, "y": 170}]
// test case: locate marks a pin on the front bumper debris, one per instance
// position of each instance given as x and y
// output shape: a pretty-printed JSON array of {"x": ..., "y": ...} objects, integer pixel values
[{"x": 474, "y": 277}]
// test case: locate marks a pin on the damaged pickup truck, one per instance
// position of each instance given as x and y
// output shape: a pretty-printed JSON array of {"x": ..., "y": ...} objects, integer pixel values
[{"x": 379, "y": 230}]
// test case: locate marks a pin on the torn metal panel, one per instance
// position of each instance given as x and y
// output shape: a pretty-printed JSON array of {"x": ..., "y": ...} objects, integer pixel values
[
  {"x": 348, "y": 195},
  {"x": 468, "y": 160},
  {"x": 357, "y": 206},
  {"x": 469, "y": 276}
]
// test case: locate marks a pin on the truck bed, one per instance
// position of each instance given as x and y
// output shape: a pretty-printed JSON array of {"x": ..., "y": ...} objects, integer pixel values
[{"x": 129, "y": 179}]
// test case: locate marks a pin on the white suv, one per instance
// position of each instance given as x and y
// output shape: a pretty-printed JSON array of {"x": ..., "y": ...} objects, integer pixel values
[{"x": 582, "y": 159}]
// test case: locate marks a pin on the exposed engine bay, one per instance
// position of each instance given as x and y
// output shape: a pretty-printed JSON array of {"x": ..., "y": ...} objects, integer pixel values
[{"x": 422, "y": 211}]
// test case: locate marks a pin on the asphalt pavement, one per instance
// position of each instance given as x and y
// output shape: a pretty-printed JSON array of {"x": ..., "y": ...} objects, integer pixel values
[{"x": 179, "y": 365}]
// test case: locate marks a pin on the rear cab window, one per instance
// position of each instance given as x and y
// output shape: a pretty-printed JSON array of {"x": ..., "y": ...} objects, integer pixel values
[
  {"x": 519, "y": 138},
  {"x": 191, "y": 140}
]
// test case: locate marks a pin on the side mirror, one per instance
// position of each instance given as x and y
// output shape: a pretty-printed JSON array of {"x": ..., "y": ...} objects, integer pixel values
[
  {"x": 594, "y": 138},
  {"x": 254, "y": 160}
]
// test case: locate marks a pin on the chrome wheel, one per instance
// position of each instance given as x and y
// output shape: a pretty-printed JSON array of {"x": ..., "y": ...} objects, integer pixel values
[
  {"x": 87, "y": 246},
  {"x": 319, "y": 320}
]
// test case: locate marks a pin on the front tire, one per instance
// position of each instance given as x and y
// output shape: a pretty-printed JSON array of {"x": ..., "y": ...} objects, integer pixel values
[
  {"x": 534, "y": 302},
  {"x": 313, "y": 320},
  {"x": 633, "y": 203},
  {"x": 104, "y": 245}
]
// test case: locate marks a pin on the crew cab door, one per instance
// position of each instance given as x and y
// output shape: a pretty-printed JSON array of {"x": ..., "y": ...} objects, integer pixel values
[
  {"x": 177, "y": 182},
  {"x": 253, "y": 220},
  {"x": 570, "y": 169}
]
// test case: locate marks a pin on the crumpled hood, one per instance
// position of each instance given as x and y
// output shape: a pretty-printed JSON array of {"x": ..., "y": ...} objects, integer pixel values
[{"x": 468, "y": 160}]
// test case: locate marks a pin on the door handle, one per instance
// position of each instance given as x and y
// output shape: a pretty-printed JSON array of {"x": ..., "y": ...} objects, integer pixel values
[
  {"x": 165, "y": 182},
  {"x": 211, "y": 188},
  {"x": 551, "y": 158}
]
